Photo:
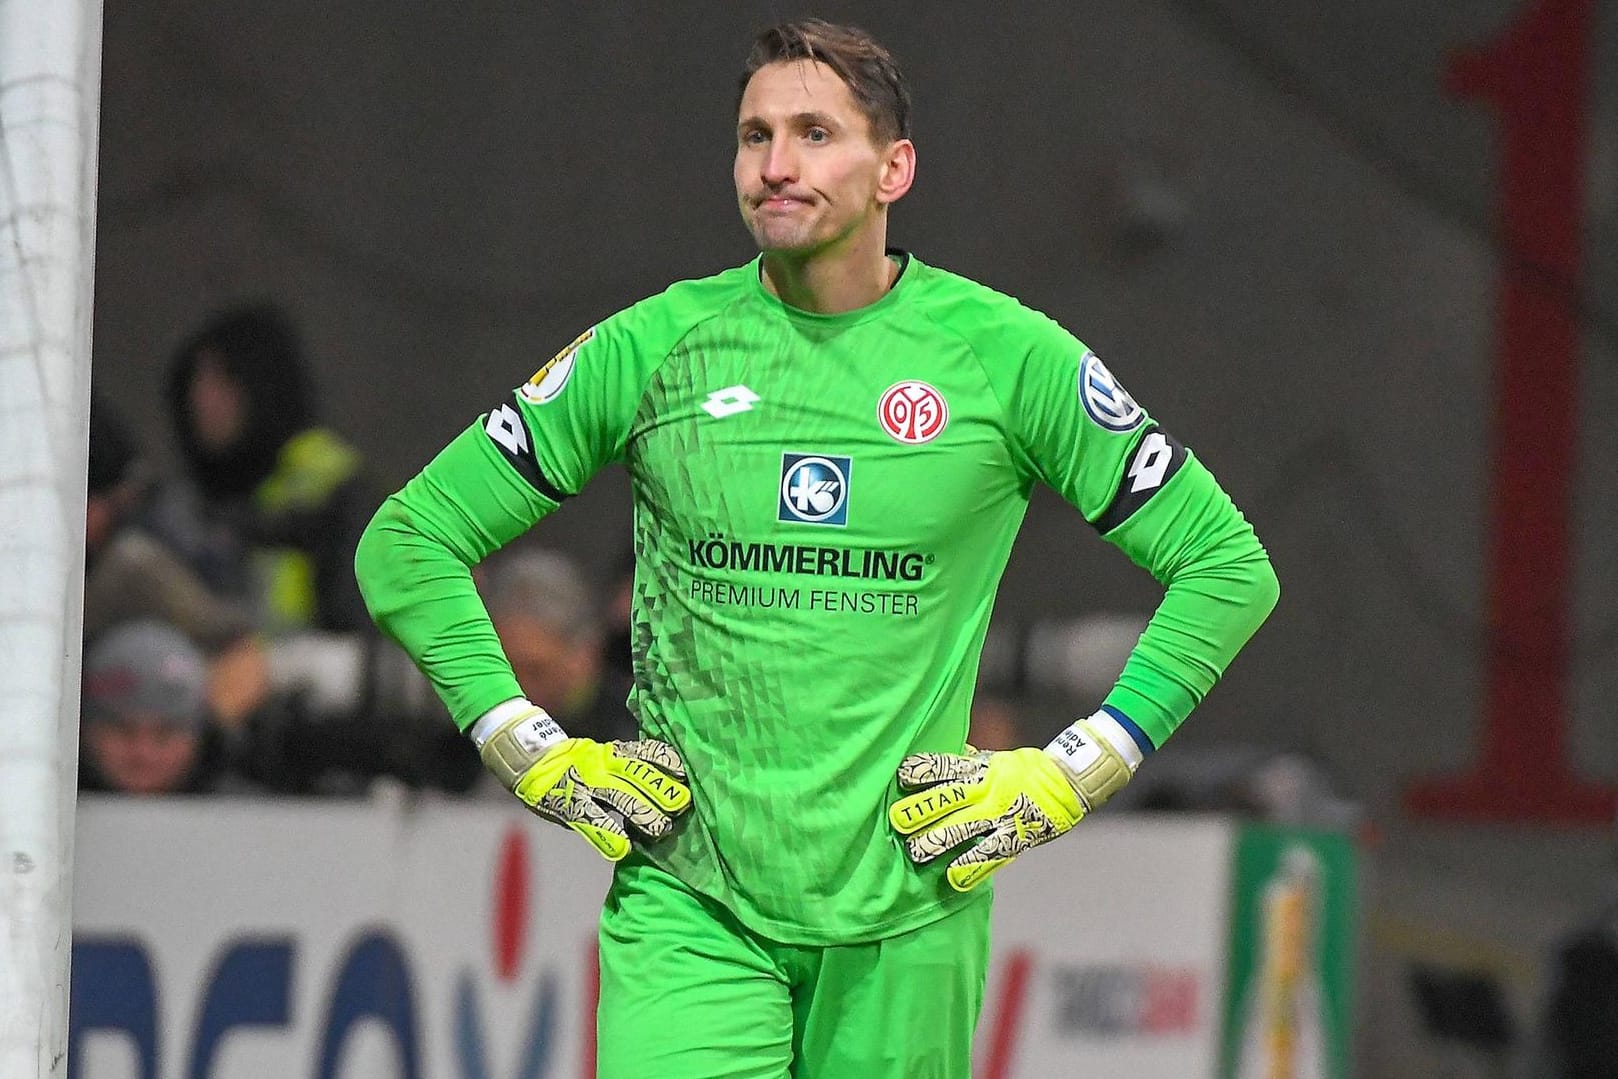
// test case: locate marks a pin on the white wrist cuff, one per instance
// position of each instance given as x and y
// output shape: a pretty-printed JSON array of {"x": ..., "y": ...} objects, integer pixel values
[
  {"x": 1076, "y": 746},
  {"x": 540, "y": 733}
]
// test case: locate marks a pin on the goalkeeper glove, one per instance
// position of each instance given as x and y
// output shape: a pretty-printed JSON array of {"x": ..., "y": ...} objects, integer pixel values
[
  {"x": 592, "y": 787},
  {"x": 1009, "y": 801}
]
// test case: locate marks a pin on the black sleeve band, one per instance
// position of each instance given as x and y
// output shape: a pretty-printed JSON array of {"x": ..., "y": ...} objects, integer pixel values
[
  {"x": 509, "y": 432},
  {"x": 1156, "y": 458}
]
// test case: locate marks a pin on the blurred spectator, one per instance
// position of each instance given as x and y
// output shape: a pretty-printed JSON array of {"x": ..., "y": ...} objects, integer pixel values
[
  {"x": 130, "y": 575},
  {"x": 551, "y": 626},
  {"x": 145, "y": 727},
  {"x": 348, "y": 709},
  {"x": 278, "y": 501},
  {"x": 270, "y": 519}
]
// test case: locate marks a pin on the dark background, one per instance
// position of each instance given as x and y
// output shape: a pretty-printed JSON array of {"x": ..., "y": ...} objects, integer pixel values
[{"x": 1268, "y": 217}]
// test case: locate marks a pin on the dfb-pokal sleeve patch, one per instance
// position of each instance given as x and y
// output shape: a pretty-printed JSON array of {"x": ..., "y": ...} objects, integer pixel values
[{"x": 1106, "y": 402}]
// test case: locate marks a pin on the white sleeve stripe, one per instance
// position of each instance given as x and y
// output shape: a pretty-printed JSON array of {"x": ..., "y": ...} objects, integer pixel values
[
  {"x": 1079, "y": 745},
  {"x": 490, "y": 721},
  {"x": 1104, "y": 726}
]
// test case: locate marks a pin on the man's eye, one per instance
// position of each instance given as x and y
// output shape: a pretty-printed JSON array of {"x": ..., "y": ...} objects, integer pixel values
[
  {"x": 753, "y": 138},
  {"x": 818, "y": 134}
]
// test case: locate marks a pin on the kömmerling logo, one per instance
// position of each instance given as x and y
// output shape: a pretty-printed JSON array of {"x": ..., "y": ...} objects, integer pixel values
[{"x": 716, "y": 552}]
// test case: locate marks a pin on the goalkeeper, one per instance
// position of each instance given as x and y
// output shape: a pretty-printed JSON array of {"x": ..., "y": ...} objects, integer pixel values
[{"x": 831, "y": 449}]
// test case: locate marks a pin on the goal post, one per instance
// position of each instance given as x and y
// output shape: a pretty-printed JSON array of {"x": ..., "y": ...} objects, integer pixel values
[{"x": 50, "y": 62}]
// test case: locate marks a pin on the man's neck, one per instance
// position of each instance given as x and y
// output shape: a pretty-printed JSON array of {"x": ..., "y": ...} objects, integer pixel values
[{"x": 831, "y": 283}]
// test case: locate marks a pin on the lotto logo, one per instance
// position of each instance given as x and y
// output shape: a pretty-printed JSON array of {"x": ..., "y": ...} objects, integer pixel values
[
  {"x": 814, "y": 489},
  {"x": 505, "y": 426},
  {"x": 729, "y": 401},
  {"x": 912, "y": 412}
]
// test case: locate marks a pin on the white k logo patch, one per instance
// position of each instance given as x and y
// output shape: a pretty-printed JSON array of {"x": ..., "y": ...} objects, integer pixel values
[{"x": 729, "y": 401}]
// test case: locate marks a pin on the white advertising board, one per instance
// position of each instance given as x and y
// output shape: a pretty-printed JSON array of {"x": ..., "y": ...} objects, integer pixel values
[
  {"x": 238, "y": 939},
  {"x": 1109, "y": 954}
]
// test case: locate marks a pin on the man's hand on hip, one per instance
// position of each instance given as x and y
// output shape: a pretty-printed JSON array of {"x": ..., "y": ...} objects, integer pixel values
[
  {"x": 597, "y": 789},
  {"x": 1010, "y": 801}
]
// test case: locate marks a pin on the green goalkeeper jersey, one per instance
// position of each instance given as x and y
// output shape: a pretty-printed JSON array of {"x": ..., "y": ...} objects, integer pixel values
[{"x": 823, "y": 507}]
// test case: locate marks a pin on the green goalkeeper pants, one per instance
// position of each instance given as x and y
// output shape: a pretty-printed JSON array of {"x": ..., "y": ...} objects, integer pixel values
[{"x": 688, "y": 993}]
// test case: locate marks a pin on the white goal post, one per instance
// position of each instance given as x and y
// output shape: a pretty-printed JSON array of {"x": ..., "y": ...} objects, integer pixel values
[{"x": 50, "y": 68}]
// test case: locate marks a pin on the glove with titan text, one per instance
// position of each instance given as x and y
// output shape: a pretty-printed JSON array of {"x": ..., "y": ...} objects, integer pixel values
[
  {"x": 594, "y": 788},
  {"x": 1009, "y": 801}
]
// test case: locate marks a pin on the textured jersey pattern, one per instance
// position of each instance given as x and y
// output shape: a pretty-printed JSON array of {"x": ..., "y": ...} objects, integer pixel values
[{"x": 818, "y": 558}]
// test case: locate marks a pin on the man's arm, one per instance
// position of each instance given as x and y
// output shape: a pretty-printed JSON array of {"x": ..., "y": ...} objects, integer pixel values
[
  {"x": 1078, "y": 430},
  {"x": 414, "y": 564},
  {"x": 1219, "y": 587},
  {"x": 486, "y": 488},
  {"x": 414, "y": 567},
  {"x": 534, "y": 449}
]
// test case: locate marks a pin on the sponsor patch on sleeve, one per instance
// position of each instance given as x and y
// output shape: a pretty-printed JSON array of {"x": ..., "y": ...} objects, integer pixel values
[
  {"x": 549, "y": 381},
  {"x": 1105, "y": 401},
  {"x": 1155, "y": 460}
]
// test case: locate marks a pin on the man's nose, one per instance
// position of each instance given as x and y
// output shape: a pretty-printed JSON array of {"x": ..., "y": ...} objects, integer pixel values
[{"x": 780, "y": 164}]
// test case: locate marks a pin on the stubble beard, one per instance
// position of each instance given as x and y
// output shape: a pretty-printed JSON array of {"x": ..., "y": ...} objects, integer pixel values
[{"x": 781, "y": 236}]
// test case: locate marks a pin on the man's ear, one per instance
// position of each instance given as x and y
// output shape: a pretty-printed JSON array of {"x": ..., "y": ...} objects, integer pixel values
[{"x": 898, "y": 171}]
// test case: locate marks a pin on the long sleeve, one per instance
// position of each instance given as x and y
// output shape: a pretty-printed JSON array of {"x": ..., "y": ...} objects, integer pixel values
[
  {"x": 1219, "y": 588},
  {"x": 414, "y": 569}
]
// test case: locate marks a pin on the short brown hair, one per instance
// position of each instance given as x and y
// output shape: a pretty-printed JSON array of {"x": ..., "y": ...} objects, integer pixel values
[{"x": 866, "y": 68}]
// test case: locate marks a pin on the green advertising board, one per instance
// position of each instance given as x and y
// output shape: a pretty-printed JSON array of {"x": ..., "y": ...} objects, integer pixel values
[{"x": 1290, "y": 967}]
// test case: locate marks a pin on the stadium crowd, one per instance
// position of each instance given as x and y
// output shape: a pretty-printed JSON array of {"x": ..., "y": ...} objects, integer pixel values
[{"x": 226, "y": 645}]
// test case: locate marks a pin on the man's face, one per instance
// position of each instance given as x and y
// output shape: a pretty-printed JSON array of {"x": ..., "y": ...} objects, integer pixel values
[
  {"x": 807, "y": 173},
  {"x": 218, "y": 408},
  {"x": 552, "y": 670},
  {"x": 140, "y": 754}
]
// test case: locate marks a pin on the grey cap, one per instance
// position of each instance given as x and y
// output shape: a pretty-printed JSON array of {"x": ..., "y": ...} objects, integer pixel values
[
  {"x": 145, "y": 668},
  {"x": 543, "y": 584}
]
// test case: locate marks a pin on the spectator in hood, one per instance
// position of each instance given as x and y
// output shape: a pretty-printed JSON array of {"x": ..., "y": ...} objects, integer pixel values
[
  {"x": 277, "y": 500},
  {"x": 130, "y": 575}
]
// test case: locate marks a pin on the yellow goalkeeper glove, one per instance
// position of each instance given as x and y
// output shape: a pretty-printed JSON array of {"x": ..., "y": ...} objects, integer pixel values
[
  {"x": 1009, "y": 801},
  {"x": 594, "y": 788}
]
